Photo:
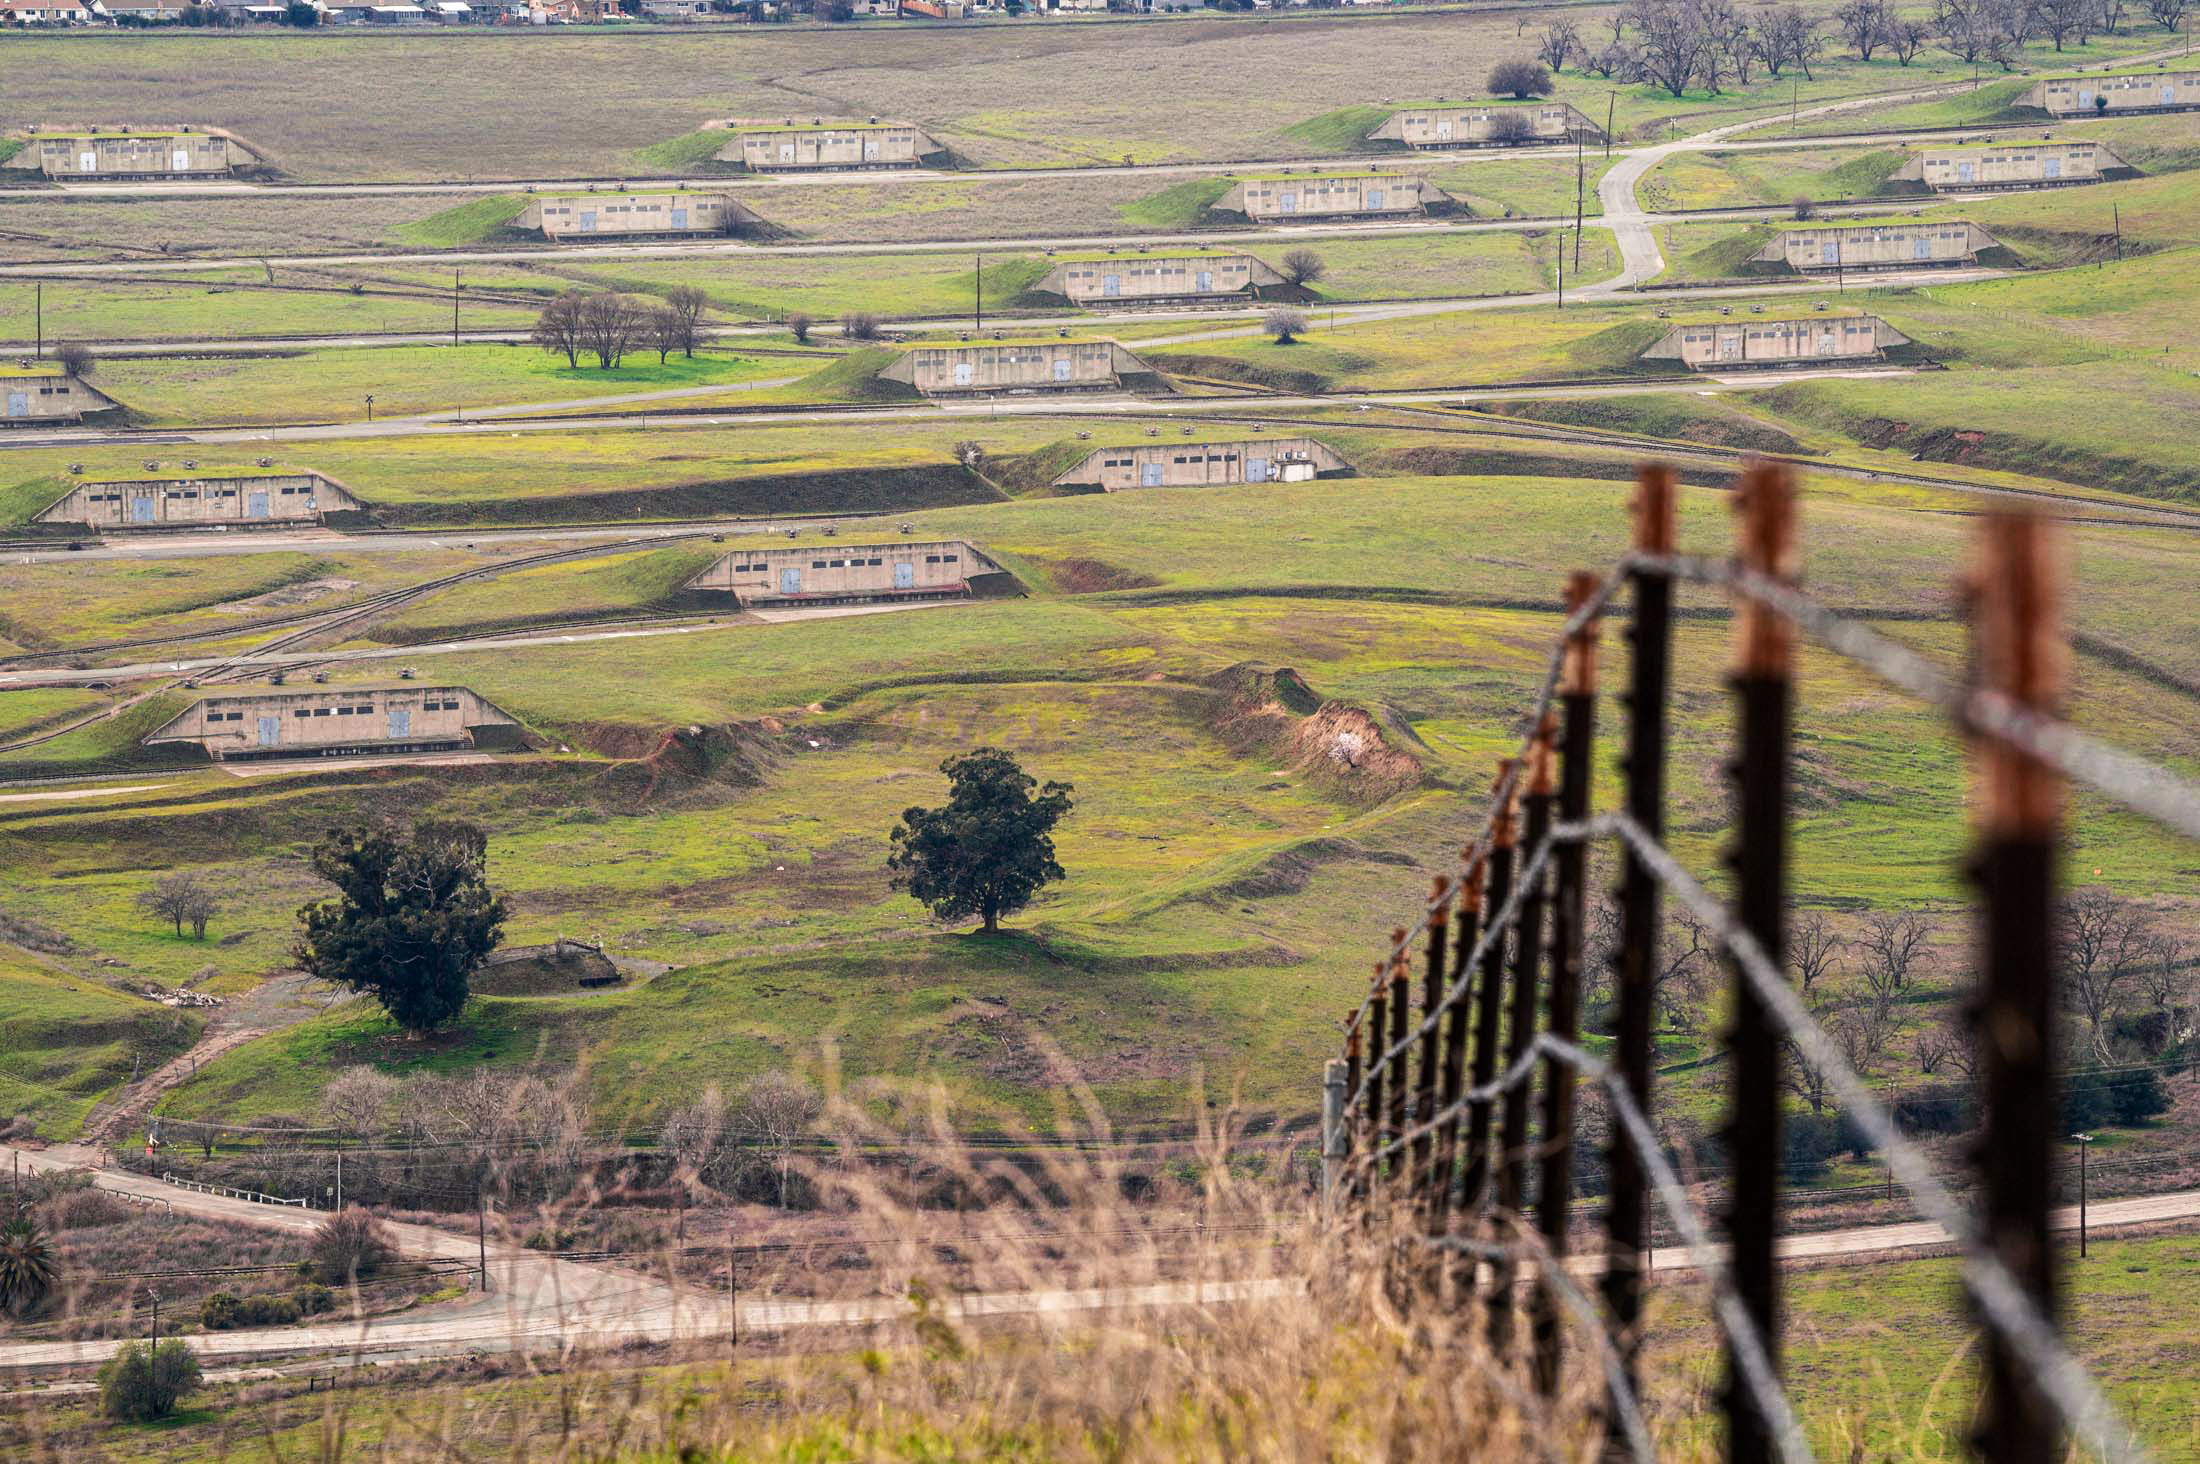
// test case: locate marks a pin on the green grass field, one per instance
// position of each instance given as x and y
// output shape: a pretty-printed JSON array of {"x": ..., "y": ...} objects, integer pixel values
[{"x": 66, "y": 1041}]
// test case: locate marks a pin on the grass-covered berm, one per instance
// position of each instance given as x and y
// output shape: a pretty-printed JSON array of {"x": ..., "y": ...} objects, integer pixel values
[{"x": 1277, "y": 704}]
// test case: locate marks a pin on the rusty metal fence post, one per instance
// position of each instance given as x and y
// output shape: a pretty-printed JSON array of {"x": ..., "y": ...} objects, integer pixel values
[
  {"x": 1401, "y": 1013},
  {"x": 1432, "y": 998},
  {"x": 1490, "y": 990},
  {"x": 1764, "y": 686},
  {"x": 1371, "y": 1118},
  {"x": 1512, "y": 1139},
  {"x": 2016, "y": 594},
  {"x": 1353, "y": 1135},
  {"x": 1457, "y": 1022},
  {"x": 1577, "y": 690},
  {"x": 1650, "y": 654}
]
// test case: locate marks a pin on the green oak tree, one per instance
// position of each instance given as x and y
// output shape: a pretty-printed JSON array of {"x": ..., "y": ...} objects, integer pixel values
[
  {"x": 414, "y": 918},
  {"x": 989, "y": 850}
]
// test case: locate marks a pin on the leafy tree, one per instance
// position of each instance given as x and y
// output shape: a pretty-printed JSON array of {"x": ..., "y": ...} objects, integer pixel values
[
  {"x": 1521, "y": 79},
  {"x": 414, "y": 920},
  {"x": 989, "y": 850},
  {"x": 1285, "y": 325},
  {"x": 27, "y": 1267},
  {"x": 141, "y": 1382},
  {"x": 301, "y": 14}
]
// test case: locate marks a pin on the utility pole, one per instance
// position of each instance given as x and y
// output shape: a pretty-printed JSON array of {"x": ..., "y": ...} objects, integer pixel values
[
  {"x": 454, "y": 307},
  {"x": 2116, "y": 213},
  {"x": 1562, "y": 274},
  {"x": 481, "y": 1235},
  {"x": 2085, "y": 1143},
  {"x": 1611, "y": 114},
  {"x": 339, "y": 1176},
  {"x": 979, "y": 279},
  {"x": 1580, "y": 179},
  {"x": 38, "y": 295},
  {"x": 149, "y": 1291},
  {"x": 1794, "y": 101}
]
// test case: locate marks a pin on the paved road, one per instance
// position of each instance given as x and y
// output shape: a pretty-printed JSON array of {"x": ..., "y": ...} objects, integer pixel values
[{"x": 540, "y": 1303}]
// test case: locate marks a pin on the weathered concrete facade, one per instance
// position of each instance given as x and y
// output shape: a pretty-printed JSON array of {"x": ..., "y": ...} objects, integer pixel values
[
  {"x": 127, "y": 152},
  {"x": 1477, "y": 124},
  {"x": 946, "y": 369},
  {"x": 1826, "y": 248},
  {"x": 821, "y": 146},
  {"x": 821, "y": 573},
  {"x": 1161, "y": 464},
  {"x": 1346, "y": 195},
  {"x": 183, "y": 502},
  {"x": 325, "y": 721},
  {"x": 1718, "y": 345},
  {"x": 612, "y": 215},
  {"x": 2009, "y": 165},
  {"x": 2093, "y": 96},
  {"x": 45, "y": 395},
  {"x": 1190, "y": 275}
]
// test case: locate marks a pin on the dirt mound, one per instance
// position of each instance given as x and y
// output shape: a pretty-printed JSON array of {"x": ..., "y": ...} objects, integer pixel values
[
  {"x": 682, "y": 759},
  {"x": 1093, "y": 576},
  {"x": 1271, "y": 710},
  {"x": 2041, "y": 456},
  {"x": 563, "y": 969},
  {"x": 1474, "y": 462},
  {"x": 1290, "y": 871}
]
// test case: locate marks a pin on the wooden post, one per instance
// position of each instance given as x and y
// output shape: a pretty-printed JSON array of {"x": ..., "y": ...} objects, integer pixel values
[
  {"x": 2018, "y": 805},
  {"x": 1764, "y": 686},
  {"x": 1577, "y": 690},
  {"x": 1512, "y": 1138},
  {"x": 1650, "y": 644},
  {"x": 1334, "y": 1147}
]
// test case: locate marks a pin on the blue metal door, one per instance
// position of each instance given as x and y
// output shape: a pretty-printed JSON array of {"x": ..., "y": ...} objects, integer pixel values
[
  {"x": 1256, "y": 470},
  {"x": 1374, "y": 198},
  {"x": 1150, "y": 475},
  {"x": 1111, "y": 285},
  {"x": 588, "y": 221},
  {"x": 1921, "y": 249},
  {"x": 1288, "y": 203},
  {"x": 142, "y": 508},
  {"x": 271, "y": 731},
  {"x": 679, "y": 218},
  {"x": 401, "y": 722},
  {"x": 255, "y": 506},
  {"x": 790, "y": 582},
  {"x": 905, "y": 576},
  {"x": 1829, "y": 254},
  {"x": 1964, "y": 172},
  {"x": 19, "y": 404},
  {"x": 2054, "y": 167}
]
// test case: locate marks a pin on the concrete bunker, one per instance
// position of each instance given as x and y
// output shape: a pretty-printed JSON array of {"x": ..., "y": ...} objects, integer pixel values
[
  {"x": 1830, "y": 248},
  {"x": 969, "y": 368},
  {"x": 37, "y": 393},
  {"x": 1431, "y": 125},
  {"x": 326, "y": 721},
  {"x": 80, "y": 154},
  {"x": 1162, "y": 464},
  {"x": 1332, "y": 196},
  {"x": 790, "y": 145},
  {"x": 1718, "y": 345},
  {"x": 628, "y": 215},
  {"x": 2096, "y": 95},
  {"x": 824, "y": 574},
  {"x": 194, "y": 498},
  {"x": 1173, "y": 276},
  {"x": 1980, "y": 167}
]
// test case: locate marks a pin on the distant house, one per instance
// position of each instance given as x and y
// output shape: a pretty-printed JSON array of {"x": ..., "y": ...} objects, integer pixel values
[
  {"x": 1163, "y": 464},
  {"x": 675, "y": 9},
  {"x": 155, "y": 500},
  {"x": 41, "y": 395},
  {"x": 613, "y": 215},
  {"x": 791, "y": 145},
  {"x": 1331, "y": 195},
  {"x": 450, "y": 12},
  {"x": 1977, "y": 167},
  {"x": 1485, "y": 124},
  {"x": 144, "y": 12},
  {"x": 936, "y": 9},
  {"x": 1718, "y": 345},
  {"x": 396, "y": 15},
  {"x": 45, "y": 12},
  {"x": 1045, "y": 364},
  {"x": 1164, "y": 276},
  {"x": 1828, "y": 248},
  {"x": 2094, "y": 95}
]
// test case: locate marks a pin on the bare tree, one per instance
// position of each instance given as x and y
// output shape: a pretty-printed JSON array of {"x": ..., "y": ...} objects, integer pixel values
[
  {"x": 611, "y": 325},
  {"x": 698, "y": 1137},
  {"x": 1521, "y": 79},
  {"x": 1303, "y": 267},
  {"x": 664, "y": 331},
  {"x": 558, "y": 328},
  {"x": 1788, "y": 37},
  {"x": 688, "y": 303},
  {"x": 181, "y": 898},
  {"x": 798, "y": 324},
  {"x": 2063, "y": 20},
  {"x": 1905, "y": 38},
  {"x": 1510, "y": 128},
  {"x": 1891, "y": 950},
  {"x": 970, "y": 452},
  {"x": 1864, "y": 23},
  {"x": 1286, "y": 326},
  {"x": 358, "y": 1100},
  {"x": 1812, "y": 946},
  {"x": 776, "y": 1110},
  {"x": 2102, "y": 942},
  {"x": 1561, "y": 43},
  {"x": 74, "y": 357},
  {"x": 1681, "y": 974},
  {"x": 1672, "y": 43},
  {"x": 2165, "y": 976},
  {"x": 1803, "y": 1075},
  {"x": 1948, "y": 1043},
  {"x": 2168, "y": 14},
  {"x": 1621, "y": 60},
  {"x": 1724, "y": 34},
  {"x": 859, "y": 325}
]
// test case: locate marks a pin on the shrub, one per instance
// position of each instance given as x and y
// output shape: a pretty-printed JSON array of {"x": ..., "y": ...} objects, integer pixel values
[
  {"x": 2096, "y": 1096},
  {"x": 859, "y": 325},
  {"x": 800, "y": 324},
  {"x": 1303, "y": 267},
  {"x": 351, "y": 1244},
  {"x": 80, "y": 1209},
  {"x": 74, "y": 357},
  {"x": 1804, "y": 207},
  {"x": 1520, "y": 79},
  {"x": 140, "y": 1383},
  {"x": 1286, "y": 326},
  {"x": 1942, "y": 1108},
  {"x": 224, "y": 1310},
  {"x": 1811, "y": 1140}
]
